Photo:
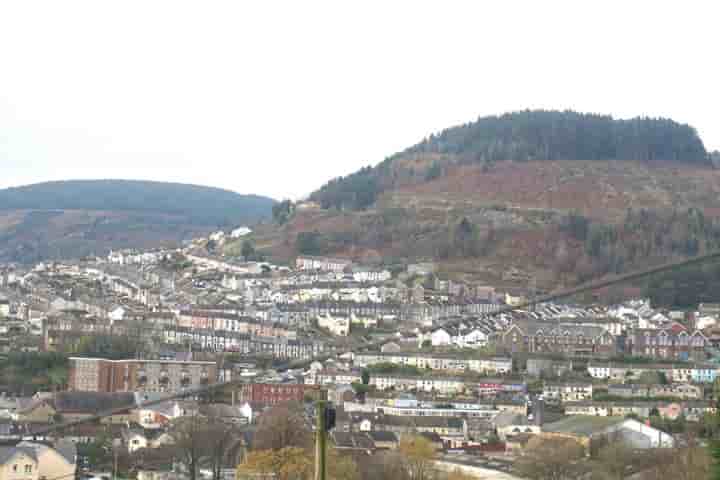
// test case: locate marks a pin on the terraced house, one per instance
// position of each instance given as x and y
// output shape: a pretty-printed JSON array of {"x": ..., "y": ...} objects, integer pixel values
[
  {"x": 621, "y": 371},
  {"x": 447, "y": 428},
  {"x": 535, "y": 336},
  {"x": 681, "y": 391},
  {"x": 492, "y": 365},
  {"x": 561, "y": 392},
  {"x": 675, "y": 344},
  {"x": 440, "y": 384},
  {"x": 675, "y": 372}
]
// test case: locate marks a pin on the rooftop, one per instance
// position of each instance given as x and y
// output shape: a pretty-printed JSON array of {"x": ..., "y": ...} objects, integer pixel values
[{"x": 582, "y": 425}]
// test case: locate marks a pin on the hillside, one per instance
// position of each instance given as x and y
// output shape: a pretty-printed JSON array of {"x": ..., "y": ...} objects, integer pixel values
[
  {"x": 520, "y": 136},
  {"x": 556, "y": 196},
  {"x": 81, "y": 217}
]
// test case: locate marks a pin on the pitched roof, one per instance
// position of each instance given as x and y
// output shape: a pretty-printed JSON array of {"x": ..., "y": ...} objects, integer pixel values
[
  {"x": 67, "y": 452},
  {"x": 382, "y": 436},
  {"x": 532, "y": 327},
  {"x": 92, "y": 402},
  {"x": 421, "y": 421},
  {"x": 584, "y": 425},
  {"x": 353, "y": 440},
  {"x": 67, "y": 449},
  {"x": 7, "y": 452}
]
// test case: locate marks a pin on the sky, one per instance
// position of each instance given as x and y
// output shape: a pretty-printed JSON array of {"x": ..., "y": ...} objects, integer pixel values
[{"x": 277, "y": 97}]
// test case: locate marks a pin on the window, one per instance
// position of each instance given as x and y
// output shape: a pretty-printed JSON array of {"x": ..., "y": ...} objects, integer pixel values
[
  {"x": 28, "y": 468},
  {"x": 15, "y": 468}
]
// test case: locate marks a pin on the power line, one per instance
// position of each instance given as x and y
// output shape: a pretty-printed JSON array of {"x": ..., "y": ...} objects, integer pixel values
[{"x": 371, "y": 345}]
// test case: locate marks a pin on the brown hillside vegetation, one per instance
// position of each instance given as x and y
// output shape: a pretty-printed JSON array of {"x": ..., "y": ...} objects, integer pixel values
[
  {"x": 599, "y": 189},
  {"x": 518, "y": 210}
]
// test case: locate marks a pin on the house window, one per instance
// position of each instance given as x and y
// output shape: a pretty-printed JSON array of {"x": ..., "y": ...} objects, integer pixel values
[
  {"x": 28, "y": 468},
  {"x": 15, "y": 468}
]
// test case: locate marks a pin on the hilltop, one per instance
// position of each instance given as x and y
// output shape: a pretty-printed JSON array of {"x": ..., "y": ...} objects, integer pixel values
[
  {"x": 521, "y": 137},
  {"x": 555, "y": 196},
  {"x": 80, "y": 217}
]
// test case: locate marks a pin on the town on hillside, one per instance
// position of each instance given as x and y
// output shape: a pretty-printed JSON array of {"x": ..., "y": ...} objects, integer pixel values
[{"x": 211, "y": 366}]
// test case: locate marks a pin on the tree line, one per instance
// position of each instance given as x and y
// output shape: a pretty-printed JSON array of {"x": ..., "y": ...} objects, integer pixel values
[{"x": 568, "y": 135}]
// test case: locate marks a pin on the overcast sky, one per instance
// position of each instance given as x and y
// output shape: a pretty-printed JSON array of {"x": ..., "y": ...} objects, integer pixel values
[{"x": 276, "y": 98}]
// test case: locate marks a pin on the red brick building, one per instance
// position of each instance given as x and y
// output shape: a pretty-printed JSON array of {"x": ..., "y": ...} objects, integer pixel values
[
  {"x": 102, "y": 375},
  {"x": 275, "y": 393}
]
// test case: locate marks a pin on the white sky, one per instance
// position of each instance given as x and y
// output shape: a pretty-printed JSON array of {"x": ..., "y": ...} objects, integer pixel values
[{"x": 276, "y": 98}]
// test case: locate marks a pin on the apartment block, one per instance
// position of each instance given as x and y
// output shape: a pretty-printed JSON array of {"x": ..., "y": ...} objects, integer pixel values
[{"x": 103, "y": 375}]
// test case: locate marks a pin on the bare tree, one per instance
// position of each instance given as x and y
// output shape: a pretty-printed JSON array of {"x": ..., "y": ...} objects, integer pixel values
[
  {"x": 418, "y": 454},
  {"x": 205, "y": 440},
  {"x": 687, "y": 461},
  {"x": 283, "y": 426},
  {"x": 615, "y": 460},
  {"x": 551, "y": 459},
  {"x": 225, "y": 440},
  {"x": 191, "y": 442}
]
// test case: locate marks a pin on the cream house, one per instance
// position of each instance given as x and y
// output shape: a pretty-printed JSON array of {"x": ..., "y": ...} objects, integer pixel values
[
  {"x": 37, "y": 461},
  {"x": 17, "y": 463}
]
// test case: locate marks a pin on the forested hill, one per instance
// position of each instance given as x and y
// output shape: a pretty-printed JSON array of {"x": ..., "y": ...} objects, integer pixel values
[
  {"x": 520, "y": 136},
  {"x": 71, "y": 219},
  {"x": 201, "y": 205}
]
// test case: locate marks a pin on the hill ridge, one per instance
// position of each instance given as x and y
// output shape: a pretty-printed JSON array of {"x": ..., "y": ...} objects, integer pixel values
[
  {"x": 137, "y": 195},
  {"x": 72, "y": 218}
]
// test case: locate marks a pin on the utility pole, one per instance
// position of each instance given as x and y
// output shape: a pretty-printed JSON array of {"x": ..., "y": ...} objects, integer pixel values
[
  {"x": 320, "y": 440},
  {"x": 533, "y": 291},
  {"x": 115, "y": 463}
]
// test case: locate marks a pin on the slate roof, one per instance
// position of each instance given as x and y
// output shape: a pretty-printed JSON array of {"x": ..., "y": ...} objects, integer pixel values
[
  {"x": 532, "y": 327},
  {"x": 418, "y": 421},
  {"x": 583, "y": 425},
  {"x": 7, "y": 452},
  {"x": 432, "y": 436},
  {"x": 504, "y": 419},
  {"x": 353, "y": 440},
  {"x": 382, "y": 436},
  {"x": 67, "y": 449},
  {"x": 92, "y": 402}
]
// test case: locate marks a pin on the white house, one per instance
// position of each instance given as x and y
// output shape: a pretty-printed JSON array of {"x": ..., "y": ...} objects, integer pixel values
[
  {"x": 247, "y": 412},
  {"x": 116, "y": 313},
  {"x": 217, "y": 236},
  {"x": 474, "y": 338},
  {"x": 4, "y": 307},
  {"x": 337, "y": 324},
  {"x": 705, "y": 322},
  {"x": 240, "y": 232},
  {"x": 363, "y": 274},
  {"x": 440, "y": 337},
  {"x": 156, "y": 415},
  {"x": 134, "y": 440}
]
